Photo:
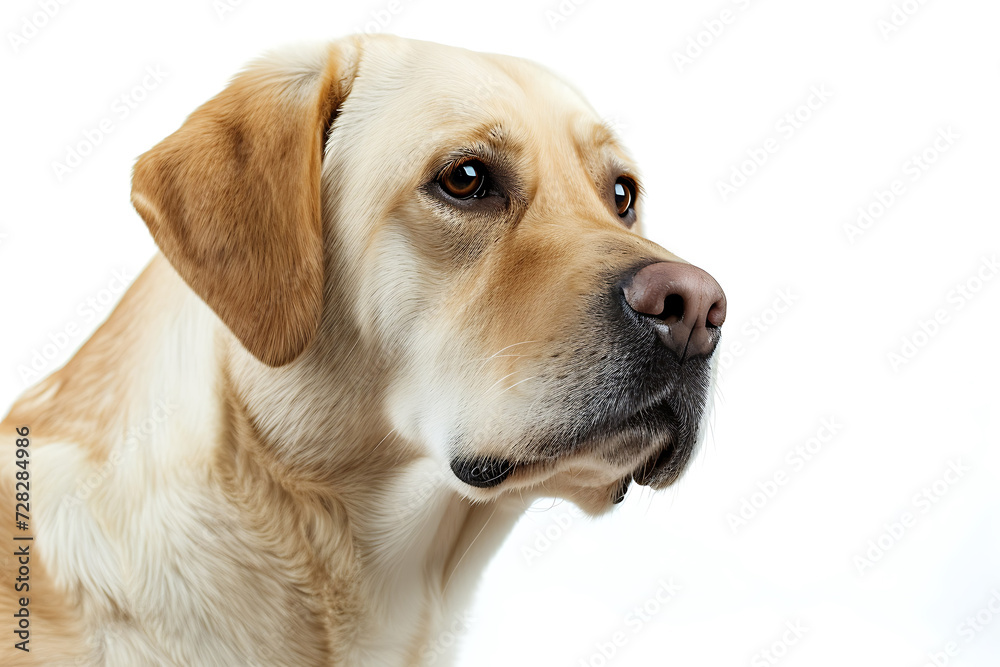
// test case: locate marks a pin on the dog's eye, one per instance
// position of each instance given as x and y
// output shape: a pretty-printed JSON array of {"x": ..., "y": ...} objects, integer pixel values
[
  {"x": 464, "y": 180},
  {"x": 624, "y": 195}
]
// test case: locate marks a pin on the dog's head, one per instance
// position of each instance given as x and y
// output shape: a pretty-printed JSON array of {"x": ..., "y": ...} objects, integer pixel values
[{"x": 462, "y": 226}]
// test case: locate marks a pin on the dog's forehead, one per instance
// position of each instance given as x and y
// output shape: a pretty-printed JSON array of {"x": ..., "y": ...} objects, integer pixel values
[{"x": 439, "y": 89}]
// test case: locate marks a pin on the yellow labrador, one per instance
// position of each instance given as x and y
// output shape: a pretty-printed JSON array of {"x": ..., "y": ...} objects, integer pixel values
[{"x": 402, "y": 291}]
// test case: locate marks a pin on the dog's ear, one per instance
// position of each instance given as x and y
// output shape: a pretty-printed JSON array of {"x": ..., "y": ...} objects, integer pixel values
[{"x": 233, "y": 197}]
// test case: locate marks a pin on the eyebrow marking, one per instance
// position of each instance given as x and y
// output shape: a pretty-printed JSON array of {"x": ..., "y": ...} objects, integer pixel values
[{"x": 604, "y": 134}]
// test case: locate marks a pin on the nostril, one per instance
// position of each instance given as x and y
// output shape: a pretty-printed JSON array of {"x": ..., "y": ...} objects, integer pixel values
[
  {"x": 716, "y": 314},
  {"x": 673, "y": 308},
  {"x": 714, "y": 319}
]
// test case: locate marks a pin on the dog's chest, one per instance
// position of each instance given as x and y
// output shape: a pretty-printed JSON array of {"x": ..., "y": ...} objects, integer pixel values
[{"x": 182, "y": 577}]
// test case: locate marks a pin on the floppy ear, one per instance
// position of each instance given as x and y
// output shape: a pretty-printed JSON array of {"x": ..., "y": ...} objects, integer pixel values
[{"x": 233, "y": 197}]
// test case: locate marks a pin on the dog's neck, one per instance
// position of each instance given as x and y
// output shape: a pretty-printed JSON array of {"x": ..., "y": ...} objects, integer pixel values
[
  {"x": 399, "y": 552},
  {"x": 353, "y": 508}
]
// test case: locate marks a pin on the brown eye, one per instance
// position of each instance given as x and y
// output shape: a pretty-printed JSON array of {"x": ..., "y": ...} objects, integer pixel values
[
  {"x": 624, "y": 195},
  {"x": 464, "y": 180}
]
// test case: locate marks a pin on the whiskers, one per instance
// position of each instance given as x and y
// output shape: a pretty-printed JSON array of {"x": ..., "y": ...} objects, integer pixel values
[
  {"x": 392, "y": 433},
  {"x": 454, "y": 568},
  {"x": 484, "y": 361},
  {"x": 497, "y": 355},
  {"x": 497, "y": 383}
]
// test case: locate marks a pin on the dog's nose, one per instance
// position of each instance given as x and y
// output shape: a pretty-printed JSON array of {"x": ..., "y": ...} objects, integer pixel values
[{"x": 687, "y": 303}]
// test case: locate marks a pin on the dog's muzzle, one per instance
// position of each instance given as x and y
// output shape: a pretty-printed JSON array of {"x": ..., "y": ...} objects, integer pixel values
[{"x": 637, "y": 393}]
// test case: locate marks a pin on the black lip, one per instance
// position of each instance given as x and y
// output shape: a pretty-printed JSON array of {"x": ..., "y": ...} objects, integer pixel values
[
  {"x": 621, "y": 490},
  {"x": 681, "y": 428},
  {"x": 649, "y": 469},
  {"x": 482, "y": 472},
  {"x": 665, "y": 467},
  {"x": 660, "y": 426}
]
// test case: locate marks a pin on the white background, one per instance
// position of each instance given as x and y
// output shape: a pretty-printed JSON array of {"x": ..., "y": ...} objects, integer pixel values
[{"x": 561, "y": 599}]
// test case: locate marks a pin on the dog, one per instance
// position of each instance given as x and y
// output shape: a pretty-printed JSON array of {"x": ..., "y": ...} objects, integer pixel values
[{"x": 401, "y": 291}]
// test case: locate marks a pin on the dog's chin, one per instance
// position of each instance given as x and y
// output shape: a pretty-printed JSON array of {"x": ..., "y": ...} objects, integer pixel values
[
  {"x": 594, "y": 468},
  {"x": 668, "y": 456}
]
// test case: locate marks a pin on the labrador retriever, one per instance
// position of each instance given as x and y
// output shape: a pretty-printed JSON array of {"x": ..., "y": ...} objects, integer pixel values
[{"x": 401, "y": 291}]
